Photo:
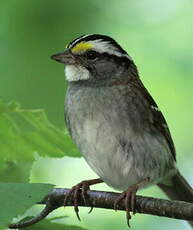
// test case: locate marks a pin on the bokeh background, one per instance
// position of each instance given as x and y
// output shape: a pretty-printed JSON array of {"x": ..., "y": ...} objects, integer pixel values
[{"x": 158, "y": 34}]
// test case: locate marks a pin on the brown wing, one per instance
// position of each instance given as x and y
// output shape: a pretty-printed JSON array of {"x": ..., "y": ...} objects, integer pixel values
[{"x": 159, "y": 121}]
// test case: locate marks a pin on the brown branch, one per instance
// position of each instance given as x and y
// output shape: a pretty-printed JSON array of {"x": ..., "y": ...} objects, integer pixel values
[{"x": 99, "y": 199}]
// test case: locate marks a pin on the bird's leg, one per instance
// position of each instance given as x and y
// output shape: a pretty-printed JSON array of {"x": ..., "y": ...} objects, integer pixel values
[
  {"x": 129, "y": 198},
  {"x": 82, "y": 188}
]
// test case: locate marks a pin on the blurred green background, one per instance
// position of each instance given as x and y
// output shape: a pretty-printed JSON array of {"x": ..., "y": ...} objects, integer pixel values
[{"x": 158, "y": 34}]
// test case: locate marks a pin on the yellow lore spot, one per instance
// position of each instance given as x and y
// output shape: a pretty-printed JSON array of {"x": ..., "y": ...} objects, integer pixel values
[{"x": 82, "y": 47}]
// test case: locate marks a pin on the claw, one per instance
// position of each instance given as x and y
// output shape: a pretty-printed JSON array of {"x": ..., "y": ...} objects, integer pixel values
[
  {"x": 133, "y": 201},
  {"x": 128, "y": 206},
  {"x": 76, "y": 209},
  {"x": 75, "y": 199},
  {"x": 118, "y": 200},
  {"x": 130, "y": 201},
  {"x": 80, "y": 189},
  {"x": 128, "y": 218},
  {"x": 85, "y": 188}
]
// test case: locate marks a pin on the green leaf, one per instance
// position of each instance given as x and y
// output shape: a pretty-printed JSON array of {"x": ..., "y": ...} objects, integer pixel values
[
  {"x": 48, "y": 225},
  {"x": 24, "y": 132},
  {"x": 16, "y": 198},
  {"x": 12, "y": 171}
]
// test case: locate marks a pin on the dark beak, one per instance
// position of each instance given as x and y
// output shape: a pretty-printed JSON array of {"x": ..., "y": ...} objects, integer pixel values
[{"x": 65, "y": 57}]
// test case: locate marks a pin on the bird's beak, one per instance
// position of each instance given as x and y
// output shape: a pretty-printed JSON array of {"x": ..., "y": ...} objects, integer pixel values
[{"x": 65, "y": 57}]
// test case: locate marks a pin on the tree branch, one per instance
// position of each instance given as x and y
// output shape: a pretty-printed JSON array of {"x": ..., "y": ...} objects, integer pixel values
[{"x": 99, "y": 199}]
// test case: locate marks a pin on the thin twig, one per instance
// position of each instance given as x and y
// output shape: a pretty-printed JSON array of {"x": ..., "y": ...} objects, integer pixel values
[
  {"x": 33, "y": 220},
  {"x": 99, "y": 199}
]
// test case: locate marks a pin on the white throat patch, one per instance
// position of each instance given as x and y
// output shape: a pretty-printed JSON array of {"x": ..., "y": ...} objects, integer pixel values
[{"x": 76, "y": 73}]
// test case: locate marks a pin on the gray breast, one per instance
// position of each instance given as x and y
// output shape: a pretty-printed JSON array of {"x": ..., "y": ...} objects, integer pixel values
[{"x": 113, "y": 136}]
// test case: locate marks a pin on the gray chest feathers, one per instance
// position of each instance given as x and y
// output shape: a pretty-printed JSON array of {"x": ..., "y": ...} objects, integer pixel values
[{"x": 113, "y": 136}]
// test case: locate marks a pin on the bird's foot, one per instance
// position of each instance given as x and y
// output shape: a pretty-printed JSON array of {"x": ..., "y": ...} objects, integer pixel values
[
  {"x": 81, "y": 190},
  {"x": 129, "y": 199}
]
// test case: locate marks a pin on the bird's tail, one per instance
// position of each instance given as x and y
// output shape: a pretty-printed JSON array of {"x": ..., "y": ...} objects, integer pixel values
[{"x": 179, "y": 190}]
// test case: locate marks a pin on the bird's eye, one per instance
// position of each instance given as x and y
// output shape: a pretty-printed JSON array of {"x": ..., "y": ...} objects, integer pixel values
[{"x": 91, "y": 54}]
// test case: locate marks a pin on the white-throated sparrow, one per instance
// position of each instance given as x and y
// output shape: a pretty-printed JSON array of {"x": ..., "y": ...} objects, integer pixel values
[{"x": 115, "y": 122}]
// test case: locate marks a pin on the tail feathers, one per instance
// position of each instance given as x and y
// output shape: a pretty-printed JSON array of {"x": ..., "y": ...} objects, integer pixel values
[{"x": 179, "y": 190}]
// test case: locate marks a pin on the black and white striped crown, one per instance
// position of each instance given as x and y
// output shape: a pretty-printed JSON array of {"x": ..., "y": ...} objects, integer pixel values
[{"x": 100, "y": 43}]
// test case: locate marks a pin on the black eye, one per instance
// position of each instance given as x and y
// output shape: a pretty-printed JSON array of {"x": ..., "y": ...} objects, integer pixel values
[{"x": 91, "y": 54}]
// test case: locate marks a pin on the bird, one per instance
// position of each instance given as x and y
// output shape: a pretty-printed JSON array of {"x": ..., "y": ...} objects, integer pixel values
[{"x": 116, "y": 124}]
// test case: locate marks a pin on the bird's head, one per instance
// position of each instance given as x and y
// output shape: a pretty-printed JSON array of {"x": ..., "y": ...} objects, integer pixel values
[{"x": 94, "y": 57}]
